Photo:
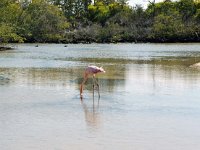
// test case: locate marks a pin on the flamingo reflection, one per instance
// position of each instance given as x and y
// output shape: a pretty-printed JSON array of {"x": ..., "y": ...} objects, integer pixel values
[{"x": 92, "y": 117}]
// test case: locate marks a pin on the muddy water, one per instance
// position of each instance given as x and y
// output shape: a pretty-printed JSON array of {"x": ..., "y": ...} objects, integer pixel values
[{"x": 149, "y": 97}]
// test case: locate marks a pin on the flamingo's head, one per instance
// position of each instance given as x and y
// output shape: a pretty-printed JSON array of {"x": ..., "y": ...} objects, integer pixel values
[{"x": 102, "y": 70}]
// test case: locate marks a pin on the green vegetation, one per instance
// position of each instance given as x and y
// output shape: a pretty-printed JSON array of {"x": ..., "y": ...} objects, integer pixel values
[{"x": 75, "y": 21}]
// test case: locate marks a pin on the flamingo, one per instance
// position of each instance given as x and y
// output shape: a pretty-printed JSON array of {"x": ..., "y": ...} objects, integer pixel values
[{"x": 91, "y": 71}]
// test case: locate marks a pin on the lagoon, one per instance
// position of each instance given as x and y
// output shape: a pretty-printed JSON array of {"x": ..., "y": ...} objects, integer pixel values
[{"x": 149, "y": 97}]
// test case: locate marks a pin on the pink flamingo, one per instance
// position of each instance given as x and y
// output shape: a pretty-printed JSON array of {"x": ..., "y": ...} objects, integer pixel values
[{"x": 91, "y": 71}]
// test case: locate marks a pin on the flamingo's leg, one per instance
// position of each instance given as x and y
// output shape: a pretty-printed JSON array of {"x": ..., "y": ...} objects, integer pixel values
[
  {"x": 82, "y": 84},
  {"x": 93, "y": 86},
  {"x": 95, "y": 81}
]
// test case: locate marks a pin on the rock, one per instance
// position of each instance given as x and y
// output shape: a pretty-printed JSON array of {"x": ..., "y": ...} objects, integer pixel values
[
  {"x": 196, "y": 65},
  {"x": 2, "y": 48}
]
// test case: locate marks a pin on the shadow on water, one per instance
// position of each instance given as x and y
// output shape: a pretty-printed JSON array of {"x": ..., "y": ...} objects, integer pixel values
[
  {"x": 116, "y": 75},
  {"x": 158, "y": 60},
  {"x": 62, "y": 77}
]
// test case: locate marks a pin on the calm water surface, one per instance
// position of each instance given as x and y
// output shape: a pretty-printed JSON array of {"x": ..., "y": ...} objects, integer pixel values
[{"x": 150, "y": 97}]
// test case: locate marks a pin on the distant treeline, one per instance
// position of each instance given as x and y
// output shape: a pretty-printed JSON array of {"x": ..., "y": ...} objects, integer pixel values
[{"x": 102, "y": 21}]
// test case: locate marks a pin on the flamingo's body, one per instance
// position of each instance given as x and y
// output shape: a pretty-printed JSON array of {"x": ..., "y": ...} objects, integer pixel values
[{"x": 91, "y": 71}]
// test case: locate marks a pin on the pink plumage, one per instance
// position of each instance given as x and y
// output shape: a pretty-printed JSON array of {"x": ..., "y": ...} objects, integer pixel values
[
  {"x": 94, "y": 69},
  {"x": 91, "y": 71}
]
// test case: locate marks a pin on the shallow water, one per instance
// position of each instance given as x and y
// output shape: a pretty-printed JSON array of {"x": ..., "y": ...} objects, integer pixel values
[{"x": 149, "y": 97}]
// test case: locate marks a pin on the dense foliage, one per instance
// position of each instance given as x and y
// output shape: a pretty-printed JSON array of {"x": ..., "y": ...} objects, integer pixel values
[{"x": 75, "y": 21}]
